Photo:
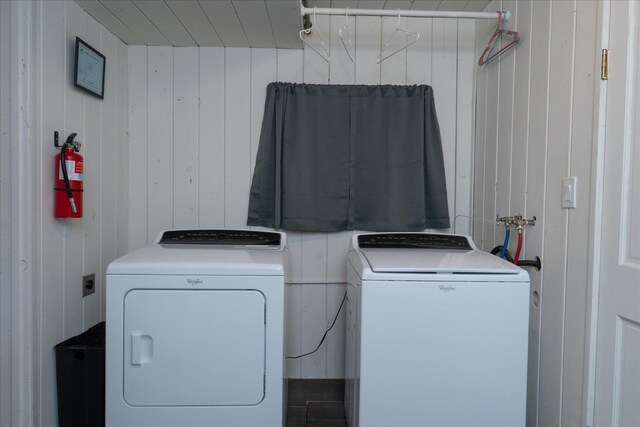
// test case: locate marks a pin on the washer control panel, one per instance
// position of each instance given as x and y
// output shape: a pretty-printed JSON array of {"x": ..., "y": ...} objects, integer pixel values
[
  {"x": 414, "y": 240},
  {"x": 220, "y": 237}
]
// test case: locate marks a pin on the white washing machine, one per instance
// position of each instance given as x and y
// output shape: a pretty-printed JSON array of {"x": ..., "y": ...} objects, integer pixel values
[
  {"x": 436, "y": 333},
  {"x": 195, "y": 331}
]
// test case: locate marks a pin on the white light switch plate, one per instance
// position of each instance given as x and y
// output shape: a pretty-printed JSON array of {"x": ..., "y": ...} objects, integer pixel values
[{"x": 569, "y": 192}]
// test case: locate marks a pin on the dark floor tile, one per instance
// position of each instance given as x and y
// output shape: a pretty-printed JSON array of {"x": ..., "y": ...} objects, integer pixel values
[
  {"x": 303, "y": 390},
  {"x": 296, "y": 416},
  {"x": 327, "y": 423},
  {"x": 325, "y": 411}
]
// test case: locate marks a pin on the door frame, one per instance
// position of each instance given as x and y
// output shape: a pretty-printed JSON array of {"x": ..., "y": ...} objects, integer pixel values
[
  {"x": 17, "y": 220},
  {"x": 596, "y": 208}
]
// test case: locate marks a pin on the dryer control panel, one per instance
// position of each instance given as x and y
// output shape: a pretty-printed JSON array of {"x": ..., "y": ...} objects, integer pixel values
[
  {"x": 220, "y": 237},
  {"x": 414, "y": 241}
]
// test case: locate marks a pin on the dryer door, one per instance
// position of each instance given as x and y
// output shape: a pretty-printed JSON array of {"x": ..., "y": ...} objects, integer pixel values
[{"x": 194, "y": 347}]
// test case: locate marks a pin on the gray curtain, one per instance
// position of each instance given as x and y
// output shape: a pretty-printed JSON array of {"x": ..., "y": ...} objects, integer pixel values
[{"x": 338, "y": 157}]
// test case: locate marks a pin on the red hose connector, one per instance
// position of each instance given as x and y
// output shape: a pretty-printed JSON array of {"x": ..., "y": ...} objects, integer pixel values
[{"x": 516, "y": 258}]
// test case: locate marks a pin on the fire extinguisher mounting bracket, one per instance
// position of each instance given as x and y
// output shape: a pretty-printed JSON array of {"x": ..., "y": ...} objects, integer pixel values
[{"x": 70, "y": 142}]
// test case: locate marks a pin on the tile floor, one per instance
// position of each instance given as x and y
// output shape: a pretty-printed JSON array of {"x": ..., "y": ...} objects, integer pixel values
[{"x": 316, "y": 403}]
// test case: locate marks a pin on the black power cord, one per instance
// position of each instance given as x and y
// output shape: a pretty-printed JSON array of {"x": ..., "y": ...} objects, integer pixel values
[
  {"x": 325, "y": 333},
  {"x": 536, "y": 263}
]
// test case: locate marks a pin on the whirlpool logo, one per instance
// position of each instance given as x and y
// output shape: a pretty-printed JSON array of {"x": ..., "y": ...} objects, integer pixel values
[
  {"x": 447, "y": 288},
  {"x": 194, "y": 282}
]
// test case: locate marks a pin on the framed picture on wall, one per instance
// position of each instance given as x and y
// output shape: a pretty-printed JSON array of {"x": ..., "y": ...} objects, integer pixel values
[{"x": 90, "y": 69}]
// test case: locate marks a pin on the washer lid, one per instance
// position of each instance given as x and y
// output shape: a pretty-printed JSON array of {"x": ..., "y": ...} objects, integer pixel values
[{"x": 436, "y": 261}]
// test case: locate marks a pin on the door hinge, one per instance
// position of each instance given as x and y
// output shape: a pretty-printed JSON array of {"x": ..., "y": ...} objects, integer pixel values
[{"x": 604, "y": 67}]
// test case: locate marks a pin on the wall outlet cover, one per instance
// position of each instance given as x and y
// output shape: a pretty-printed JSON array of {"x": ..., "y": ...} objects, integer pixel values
[
  {"x": 88, "y": 284},
  {"x": 569, "y": 193}
]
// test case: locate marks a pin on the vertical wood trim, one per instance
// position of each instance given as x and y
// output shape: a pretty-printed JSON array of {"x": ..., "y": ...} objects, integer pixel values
[
  {"x": 138, "y": 146},
  {"x": 122, "y": 153},
  {"x": 293, "y": 330},
  {"x": 504, "y": 134},
  {"x": 522, "y": 91},
  {"x": 582, "y": 137},
  {"x": 160, "y": 135},
  {"x": 237, "y": 136},
  {"x": 74, "y": 122},
  {"x": 264, "y": 70},
  {"x": 211, "y": 137},
  {"x": 6, "y": 223},
  {"x": 556, "y": 219},
  {"x": 491, "y": 153},
  {"x": 17, "y": 221},
  {"x": 465, "y": 118},
  {"x": 185, "y": 137},
  {"x": 108, "y": 158},
  {"x": 51, "y": 69},
  {"x": 444, "y": 75},
  {"x": 91, "y": 143},
  {"x": 596, "y": 221},
  {"x": 536, "y": 183},
  {"x": 482, "y": 34}
]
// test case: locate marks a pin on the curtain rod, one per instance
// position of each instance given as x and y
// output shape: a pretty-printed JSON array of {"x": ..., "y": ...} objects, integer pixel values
[{"x": 391, "y": 12}]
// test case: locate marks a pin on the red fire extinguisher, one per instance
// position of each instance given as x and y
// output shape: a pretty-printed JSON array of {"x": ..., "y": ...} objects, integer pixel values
[{"x": 68, "y": 181}]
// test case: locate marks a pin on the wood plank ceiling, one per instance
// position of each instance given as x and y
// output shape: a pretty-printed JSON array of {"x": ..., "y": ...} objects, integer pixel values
[{"x": 230, "y": 23}]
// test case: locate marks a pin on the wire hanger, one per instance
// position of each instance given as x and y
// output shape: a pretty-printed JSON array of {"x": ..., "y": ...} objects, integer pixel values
[
  {"x": 308, "y": 31},
  {"x": 488, "y": 56},
  {"x": 348, "y": 46},
  {"x": 401, "y": 31}
]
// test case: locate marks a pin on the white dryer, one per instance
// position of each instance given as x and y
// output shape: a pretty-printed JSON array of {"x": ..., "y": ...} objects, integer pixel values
[
  {"x": 195, "y": 331},
  {"x": 436, "y": 333}
]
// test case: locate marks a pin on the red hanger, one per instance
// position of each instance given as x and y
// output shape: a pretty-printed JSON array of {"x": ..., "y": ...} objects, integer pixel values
[{"x": 488, "y": 56}]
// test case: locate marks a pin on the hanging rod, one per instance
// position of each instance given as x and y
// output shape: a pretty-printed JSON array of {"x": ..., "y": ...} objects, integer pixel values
[{"x": 395, "y": 12}]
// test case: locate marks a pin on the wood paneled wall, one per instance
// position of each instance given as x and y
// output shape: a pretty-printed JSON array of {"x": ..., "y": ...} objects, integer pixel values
[
  {"x": 6, "y": 220},
  {"x": 68, "y": 249},
  {"x": 534, "y": 127},
  {"x": 195, "y": 116}
]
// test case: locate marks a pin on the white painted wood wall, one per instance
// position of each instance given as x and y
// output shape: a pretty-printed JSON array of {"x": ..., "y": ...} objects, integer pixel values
[
  {"x": 534, "y": 127},
  {"x": 195, "y": 116},
  {"x": 67, "y": 249}
]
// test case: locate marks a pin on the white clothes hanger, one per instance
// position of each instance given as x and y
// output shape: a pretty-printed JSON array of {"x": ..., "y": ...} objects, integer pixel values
[
  {"x": 348, "y": 46},
  {"x": 308, "y": 31},
  {"x": 396, "y": 31}
]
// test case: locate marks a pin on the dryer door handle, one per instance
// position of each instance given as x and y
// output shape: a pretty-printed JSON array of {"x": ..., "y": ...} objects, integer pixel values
[{"x": 141, "y": 348}]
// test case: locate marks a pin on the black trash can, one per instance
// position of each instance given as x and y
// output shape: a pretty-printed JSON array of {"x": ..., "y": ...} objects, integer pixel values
[{"x": 80, "y": 379}]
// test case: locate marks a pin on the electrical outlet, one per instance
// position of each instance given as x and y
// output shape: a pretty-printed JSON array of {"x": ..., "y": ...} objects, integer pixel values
[{"x": 88, "y": 284}]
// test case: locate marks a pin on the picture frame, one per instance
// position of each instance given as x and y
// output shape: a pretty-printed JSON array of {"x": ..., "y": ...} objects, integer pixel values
[{"x": 89, "y": 70}]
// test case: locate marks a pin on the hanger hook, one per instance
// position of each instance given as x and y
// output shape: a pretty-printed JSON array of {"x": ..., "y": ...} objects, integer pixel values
[
  {"x": 327, "y": 56},
  {"x": 398, "y": 18},
  {"x": 345, "y": 28}
]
